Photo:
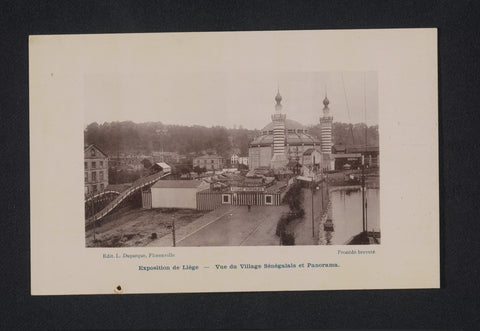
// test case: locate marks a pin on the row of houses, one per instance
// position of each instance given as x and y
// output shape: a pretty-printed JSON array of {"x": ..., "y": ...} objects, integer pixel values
[
  {"x": 310, "y": 158},
  {"x": 208, "y": 161},
  {"x": 217, "y": 162}
]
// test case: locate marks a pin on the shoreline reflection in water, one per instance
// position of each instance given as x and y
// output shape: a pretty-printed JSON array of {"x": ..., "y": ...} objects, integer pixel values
[{"x": 345, "y": 212}]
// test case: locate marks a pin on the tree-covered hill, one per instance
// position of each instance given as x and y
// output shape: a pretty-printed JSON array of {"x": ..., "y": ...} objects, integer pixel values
[
  {"x": 145, "y": 138},
  {"x": 350, "y": 134},
  {"x": 134, "y": 138}
]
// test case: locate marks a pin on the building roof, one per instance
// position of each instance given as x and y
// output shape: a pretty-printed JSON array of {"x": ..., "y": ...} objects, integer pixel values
[
  {"x": 209, "y": 157},
  {"x": 87, "y": 148},
  {"x": 178, "y": 183},
  {"x": 310, "y": 151},
  {"x": 163, "y": 165},
  {"x": 289, "y": 125},
  {"x": 361, "y": 148},
  {"x": 281, "y": 171},
  {"x": 342, "y": 156},
  {"x": 340, "y": 147},
  {"x": 305, "y": 178},
  {"x": 277, "y": 187},
  {"x": 157, "y": 153},
  {"x": 291, "y": 139}
]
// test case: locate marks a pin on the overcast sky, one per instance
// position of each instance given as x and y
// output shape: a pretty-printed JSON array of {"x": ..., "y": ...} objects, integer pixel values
[{"x": 224, "y": 81}]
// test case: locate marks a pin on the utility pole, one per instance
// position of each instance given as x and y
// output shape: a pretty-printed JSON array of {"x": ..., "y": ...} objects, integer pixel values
[
  {"x": 313, "y": 223},
  {"x": 366, "y": 210},
  {"x": 363, "y": 195},
  {"x": 173, "y": 231},
  {"x": 94, "y": 228},
  {"x": 94, "y": 218},
  {"x": 314, "y": 189},
  {"x": 323, "y": 187},
  {"x": 364, "y": 189}
]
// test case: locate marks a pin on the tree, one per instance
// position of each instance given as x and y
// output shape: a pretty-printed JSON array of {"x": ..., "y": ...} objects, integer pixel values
[
  {"x": 146, "y": 163},
  {"x": 199, "y": 170},
  {"x": 181, "y": 169},
  {"x": 242, "y": 166},
  {"x": 350, "y": 134},
  {"x": 294, "y": 198}
]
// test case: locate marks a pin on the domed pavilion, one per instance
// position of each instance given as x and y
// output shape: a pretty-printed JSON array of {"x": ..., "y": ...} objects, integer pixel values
[{"x": 280, "y": 142}]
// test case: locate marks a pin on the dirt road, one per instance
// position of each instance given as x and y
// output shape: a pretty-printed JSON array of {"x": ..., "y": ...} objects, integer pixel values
[
  {"x": 230, "y": 226},
  {"x": 135, "y": 227}
]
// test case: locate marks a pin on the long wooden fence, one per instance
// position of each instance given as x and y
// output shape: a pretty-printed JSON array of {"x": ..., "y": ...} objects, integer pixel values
[{"x": 208, "y": 200}]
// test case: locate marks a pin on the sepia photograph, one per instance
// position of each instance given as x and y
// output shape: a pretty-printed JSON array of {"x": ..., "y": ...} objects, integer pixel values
[
  {"x": 239, "y": 166},
  {"x": 233, "y": 161},
  {"x": 283, "y": 158}
]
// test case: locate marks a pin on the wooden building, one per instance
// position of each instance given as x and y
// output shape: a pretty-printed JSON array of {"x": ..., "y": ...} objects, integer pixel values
[{"x": 176, "y": 193}]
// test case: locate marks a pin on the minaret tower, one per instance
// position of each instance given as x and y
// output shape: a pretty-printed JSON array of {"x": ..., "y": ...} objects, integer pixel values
[
  {"x": 279, "y": 159},
  {"x": 326, "y": 127}
]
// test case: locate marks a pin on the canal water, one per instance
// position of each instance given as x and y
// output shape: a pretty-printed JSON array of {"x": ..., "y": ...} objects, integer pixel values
[{"x": 346, "y": 213}]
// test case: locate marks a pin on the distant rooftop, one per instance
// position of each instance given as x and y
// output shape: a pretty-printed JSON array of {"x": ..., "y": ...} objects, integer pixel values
[
  {"x": 309, "y": 151},
  {"x": 209, "y": 157},
  {"x": 177, "y": 184},
  {"x": 162, "y": 164},
  {"x": 361, "y": 148},
  {"x": 344, "y": 155},
  {"x": 277, "y": 187},
  {"x": 355, "y": 148}
]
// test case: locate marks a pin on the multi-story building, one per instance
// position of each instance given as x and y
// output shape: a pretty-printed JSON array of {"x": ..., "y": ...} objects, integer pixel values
[
  {"x": 243, "y": 160},
  {"x": 234, "y": 159},
  {"x": 209, "y": 162},
  {"x": 96, "y": 170}
]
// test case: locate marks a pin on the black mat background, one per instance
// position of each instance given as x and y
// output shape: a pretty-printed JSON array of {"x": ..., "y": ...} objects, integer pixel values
[{"x": 454, "y": 306}]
